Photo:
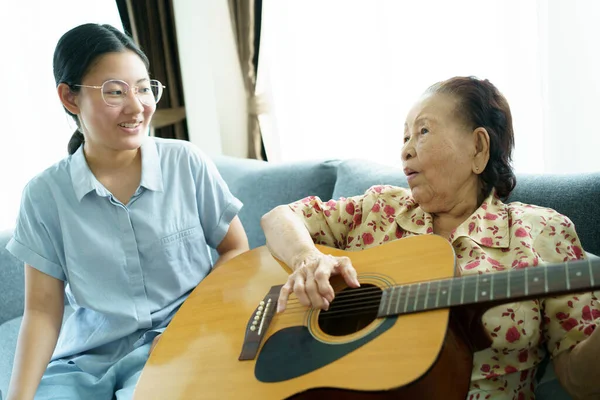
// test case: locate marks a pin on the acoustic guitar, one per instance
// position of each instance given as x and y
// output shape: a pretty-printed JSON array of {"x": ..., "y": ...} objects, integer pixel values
[{"x": 394, "y": 337}]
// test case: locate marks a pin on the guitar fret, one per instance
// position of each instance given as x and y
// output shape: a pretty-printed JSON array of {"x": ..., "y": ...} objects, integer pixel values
[
  {"x": 557, "y": 279},
  {"x": 526, "y": 282},
  {"x": 577, "y": 271},
  {"x": 390, "y": 300},
  {"x": 508, "y": 284},
  {"x": 406, "y": 299},
  {"x": 462, "y": 291},
  {"x": 456, "y": 289},
  {"x": 594, "y": 271},
  {"x": 417, "y": 297},
  {"x": 567, "y": 275},
  {"x": 427, "y": 294},
  {"x": 535, "y": 280},
  {"x": 483, "y": 287},
  {"x": 546, "y": 280},
  {"x": 398, "y": 299},
  {"x": 492, "y": 288},
  {"x": 437, "y": 296},
  {"x": 476, "y": 288}
]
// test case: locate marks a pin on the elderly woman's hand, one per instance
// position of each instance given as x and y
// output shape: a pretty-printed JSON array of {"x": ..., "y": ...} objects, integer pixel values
[{"x": 310, "y": 279}]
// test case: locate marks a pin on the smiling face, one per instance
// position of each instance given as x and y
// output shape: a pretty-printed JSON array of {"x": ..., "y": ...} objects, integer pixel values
[
  {"x": 439, "y": 155},
  {"x": 114, "y": 128}
]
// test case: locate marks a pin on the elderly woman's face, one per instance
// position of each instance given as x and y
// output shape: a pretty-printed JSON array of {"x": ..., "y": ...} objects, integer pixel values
[{"x": 438, "y": 154}]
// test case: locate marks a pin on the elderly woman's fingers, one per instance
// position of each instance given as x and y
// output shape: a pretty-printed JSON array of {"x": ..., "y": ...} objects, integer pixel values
[
  {"x": 314, "y": 292},
  {"x": 345, "y": 268},
  {"x": 300, "y": 287},
  {"x": 284, "y": 294},
  {"x": 322, "y": 275}
]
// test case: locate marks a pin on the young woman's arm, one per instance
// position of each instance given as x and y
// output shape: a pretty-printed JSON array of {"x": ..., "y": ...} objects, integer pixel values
[
  {"x": 234, "y": 243},
  {"x": 44, "y": 307}
]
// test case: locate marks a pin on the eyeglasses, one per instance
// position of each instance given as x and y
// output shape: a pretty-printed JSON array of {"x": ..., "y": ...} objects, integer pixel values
[{"x": 115, "y": 91}]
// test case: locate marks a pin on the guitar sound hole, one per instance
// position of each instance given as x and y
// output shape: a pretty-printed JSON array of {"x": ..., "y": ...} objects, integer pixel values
[{"x": 352, "y": 309}]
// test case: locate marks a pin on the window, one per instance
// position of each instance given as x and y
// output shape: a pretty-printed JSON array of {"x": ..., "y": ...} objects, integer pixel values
[{"x": 339, "y": 76}]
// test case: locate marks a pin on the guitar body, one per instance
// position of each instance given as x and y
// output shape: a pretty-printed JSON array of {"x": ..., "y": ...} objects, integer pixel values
[{"x": 306, "y": 353}]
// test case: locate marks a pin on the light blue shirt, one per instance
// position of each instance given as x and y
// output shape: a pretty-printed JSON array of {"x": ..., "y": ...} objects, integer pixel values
[{"x": 129, "y": 267}]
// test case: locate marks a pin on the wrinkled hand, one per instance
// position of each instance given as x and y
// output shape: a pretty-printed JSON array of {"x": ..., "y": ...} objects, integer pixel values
[
  {"x": 310, "y": 279},
  {"x": 154, "y": 343}
]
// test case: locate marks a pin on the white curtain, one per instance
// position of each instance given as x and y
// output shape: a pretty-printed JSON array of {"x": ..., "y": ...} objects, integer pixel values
[
  {"x": 339, "y": 76},
  {"x": 35, "y": 129}
]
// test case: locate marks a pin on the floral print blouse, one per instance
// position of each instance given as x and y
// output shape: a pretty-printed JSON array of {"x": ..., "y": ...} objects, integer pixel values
[{"x": 495, "y": 237}]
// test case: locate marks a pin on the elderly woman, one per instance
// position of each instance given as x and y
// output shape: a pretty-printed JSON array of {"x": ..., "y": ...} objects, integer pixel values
[{"x": 458, "y": 140}]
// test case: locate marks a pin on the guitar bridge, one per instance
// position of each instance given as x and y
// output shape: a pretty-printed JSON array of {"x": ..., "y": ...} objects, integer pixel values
[{"x": 259, "y": 323}]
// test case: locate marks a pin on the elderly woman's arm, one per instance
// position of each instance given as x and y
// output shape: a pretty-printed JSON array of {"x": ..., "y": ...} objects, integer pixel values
[
  {"x": 578, "y": 370},
  {"x": 287, "y": 237}
]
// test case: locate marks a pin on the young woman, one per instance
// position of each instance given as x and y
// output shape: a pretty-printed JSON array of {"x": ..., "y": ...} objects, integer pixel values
[{"x": 122, "y": 226}]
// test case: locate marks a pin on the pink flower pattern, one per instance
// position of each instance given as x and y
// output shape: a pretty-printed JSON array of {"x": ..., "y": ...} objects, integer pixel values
[{"x": 496, "y": 237}]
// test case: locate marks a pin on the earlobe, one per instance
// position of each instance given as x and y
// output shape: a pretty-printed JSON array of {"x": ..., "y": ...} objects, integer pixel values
[
  {"x": 68, "y": 98},
  {"x": 482, "y": 150}
]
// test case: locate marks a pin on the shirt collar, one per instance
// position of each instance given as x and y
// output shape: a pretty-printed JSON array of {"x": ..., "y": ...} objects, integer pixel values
[
  {"x": 151, "y": 170},
  {"x": 412, "y": 218},
  {"x": 84, "y": 181},
  {"x": 488, "y": 225},
  {"x": 82, "y": 178}
]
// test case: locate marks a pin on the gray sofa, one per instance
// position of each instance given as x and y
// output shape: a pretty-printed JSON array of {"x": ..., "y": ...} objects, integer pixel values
[{"x": 262, "y": 186}]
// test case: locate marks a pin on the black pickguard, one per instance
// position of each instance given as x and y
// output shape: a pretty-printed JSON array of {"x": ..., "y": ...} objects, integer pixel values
[{"x": 293, "y": 352}]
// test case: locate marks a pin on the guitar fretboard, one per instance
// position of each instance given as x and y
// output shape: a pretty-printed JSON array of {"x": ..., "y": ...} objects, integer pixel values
[{"x": 514, "y": 284}]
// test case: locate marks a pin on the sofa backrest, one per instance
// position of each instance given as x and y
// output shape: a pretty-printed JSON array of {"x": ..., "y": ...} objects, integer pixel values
[
  {"x": 262, "y": 186},
  {"x": 11, "y": 282}
]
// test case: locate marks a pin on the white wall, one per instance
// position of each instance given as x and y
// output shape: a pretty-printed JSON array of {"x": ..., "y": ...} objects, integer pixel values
[{"x": 215, "y": 98}]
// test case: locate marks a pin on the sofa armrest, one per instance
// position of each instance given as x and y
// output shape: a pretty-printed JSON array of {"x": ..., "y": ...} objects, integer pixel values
[{"x": 12, "y": 285}]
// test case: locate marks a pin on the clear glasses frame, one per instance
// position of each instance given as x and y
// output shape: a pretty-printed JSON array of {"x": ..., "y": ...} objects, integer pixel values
[{"x": 117, "y": 99}]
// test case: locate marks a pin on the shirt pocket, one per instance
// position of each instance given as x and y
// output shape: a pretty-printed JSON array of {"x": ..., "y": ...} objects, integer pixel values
[
  {"x": 180, "y": 236},
  {"x": 183, "y": 249}
]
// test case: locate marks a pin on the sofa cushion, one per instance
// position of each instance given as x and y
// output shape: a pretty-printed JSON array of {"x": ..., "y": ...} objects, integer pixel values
[
  {"x": 262, "y": 186},
  {"x": 11, "y": 282},
  {"x": 548, "y": 386},
  {"x": 356, "y": 176},
  {"x": 9, "y": 332},
  {"x": 575, "y": 196}
]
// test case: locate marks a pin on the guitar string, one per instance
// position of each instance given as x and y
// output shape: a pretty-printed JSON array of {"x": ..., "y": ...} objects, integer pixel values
[
  {"x": 343, "y": 296},
  {"x": 366, "y": 309}
]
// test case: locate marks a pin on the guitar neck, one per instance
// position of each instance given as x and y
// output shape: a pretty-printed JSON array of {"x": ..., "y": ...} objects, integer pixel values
[{"x": 511, "y": 285}]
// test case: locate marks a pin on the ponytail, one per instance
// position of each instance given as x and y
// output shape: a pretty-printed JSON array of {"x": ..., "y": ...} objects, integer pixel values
[{"x": 76, "y": 140}]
